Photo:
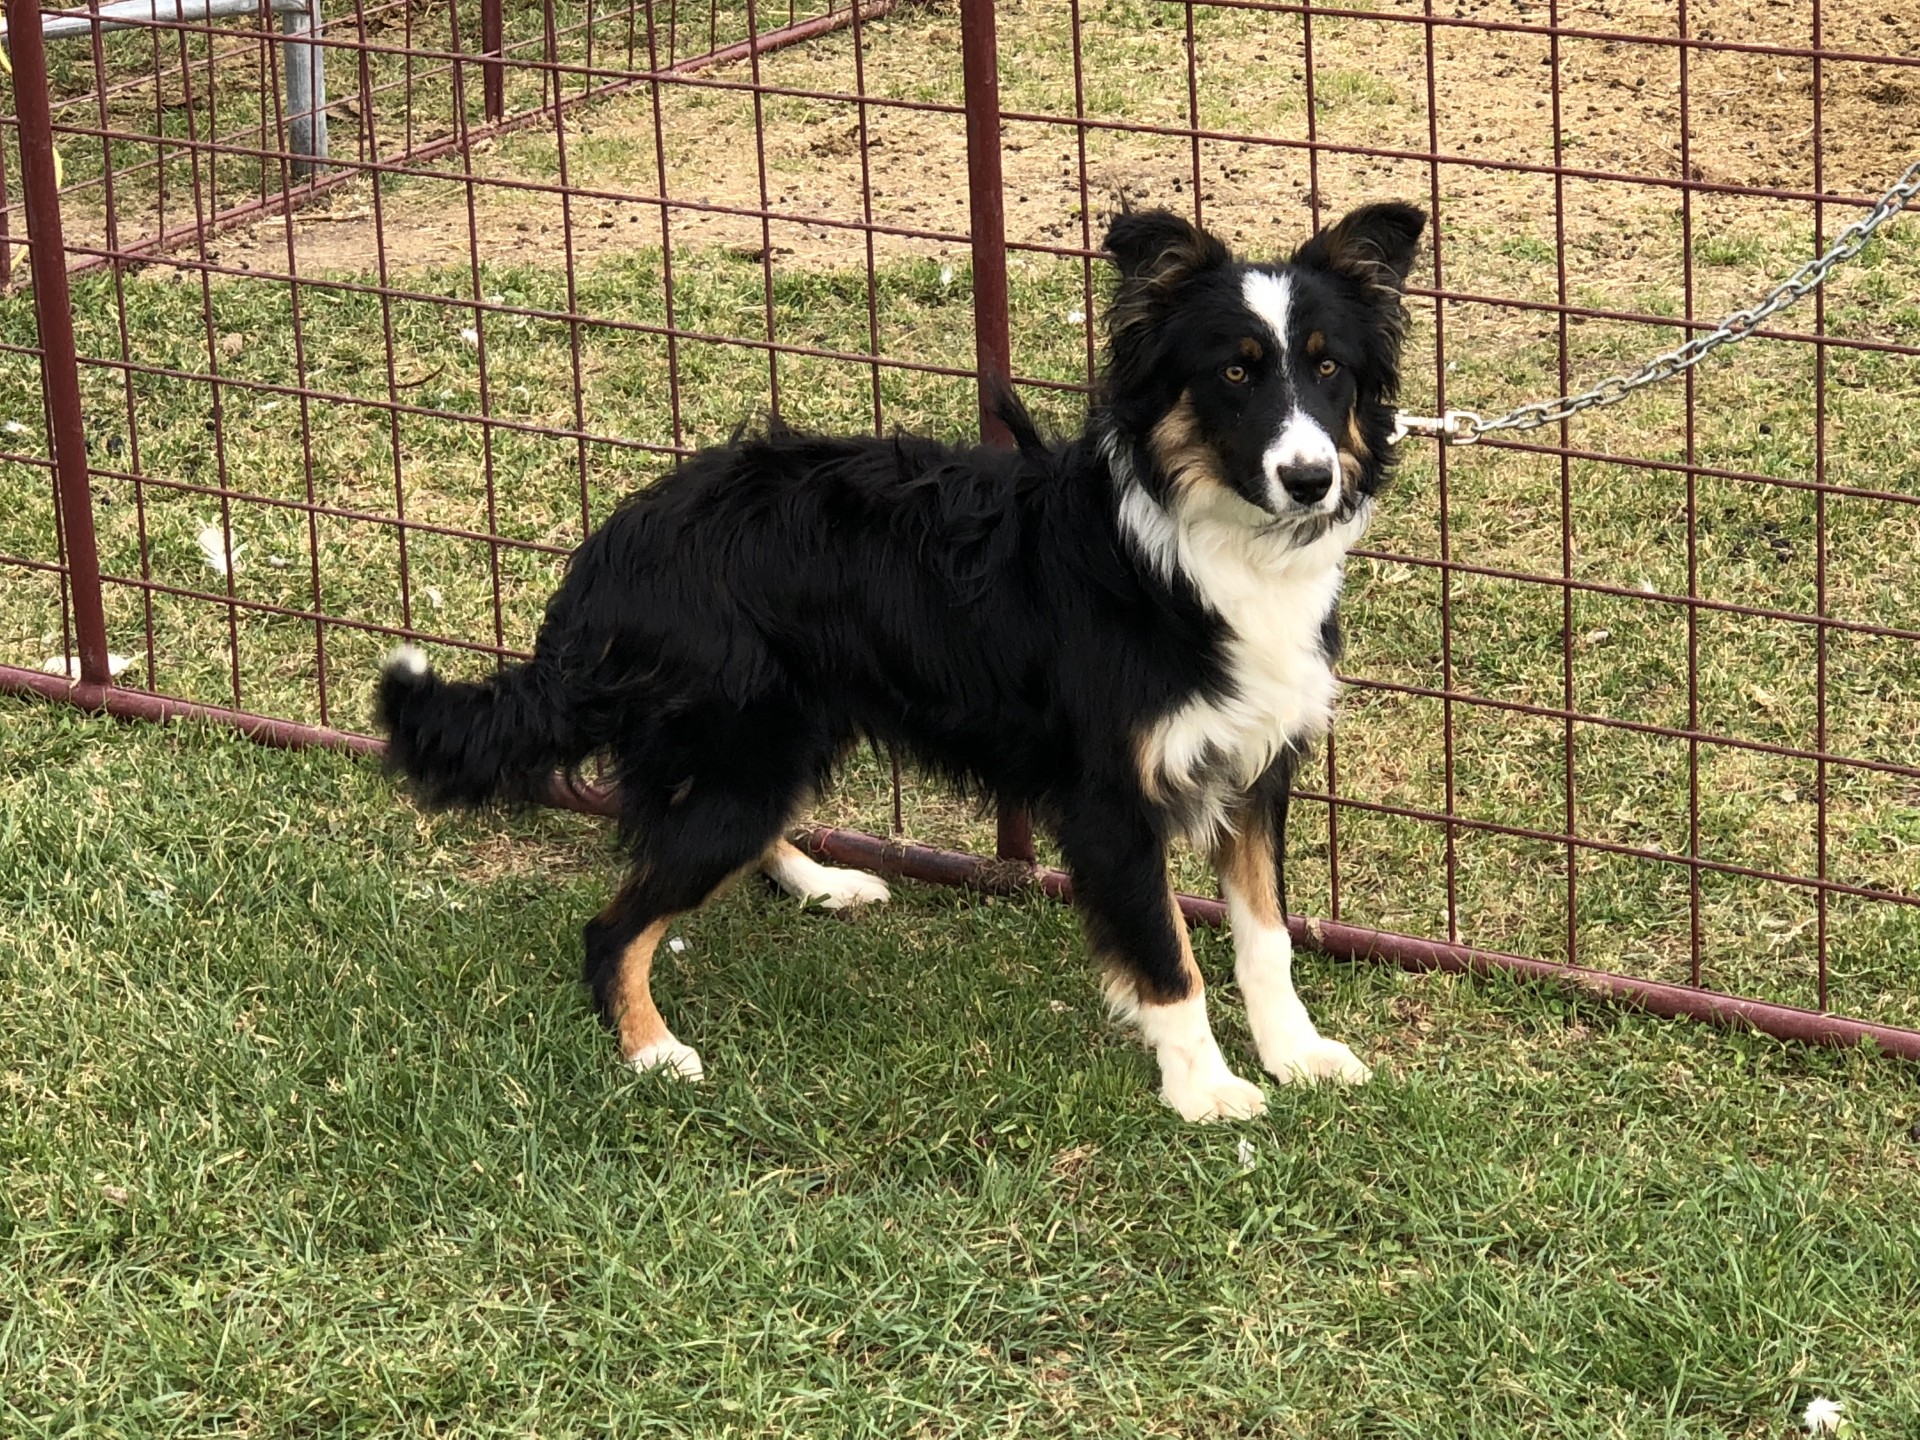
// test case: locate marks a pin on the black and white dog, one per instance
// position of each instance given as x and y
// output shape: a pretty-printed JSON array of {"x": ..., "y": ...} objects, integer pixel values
[{"x": 1132, "y": 632}]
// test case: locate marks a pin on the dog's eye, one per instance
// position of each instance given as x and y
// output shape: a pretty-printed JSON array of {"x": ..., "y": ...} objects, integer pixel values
[
  {"x": 1328, "y": 368},
  {"x": 1235, "y": 374}
]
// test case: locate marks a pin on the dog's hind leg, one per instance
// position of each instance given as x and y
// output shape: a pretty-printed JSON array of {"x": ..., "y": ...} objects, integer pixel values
[
  {"x": 621, "y": 941},
  {"x": 805, "y": 878},
  {"x": 1120, "y": 883},
  {"x": 688, "y": 843}
]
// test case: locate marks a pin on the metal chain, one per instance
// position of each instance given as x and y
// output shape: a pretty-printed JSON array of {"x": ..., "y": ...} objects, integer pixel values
[{"x": 1463, "y": 427}]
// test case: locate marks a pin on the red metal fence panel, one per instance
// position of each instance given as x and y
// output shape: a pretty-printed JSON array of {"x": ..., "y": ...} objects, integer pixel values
[{"x": 1634, "y": 701}]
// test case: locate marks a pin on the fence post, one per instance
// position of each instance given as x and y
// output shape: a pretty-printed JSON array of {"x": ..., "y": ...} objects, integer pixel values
[
  {"x": 987, "y": 205},
  {"x": 493, "y": 75},
  {"x": 53, "y": 318},
  {"x": 306, "y": 69}
]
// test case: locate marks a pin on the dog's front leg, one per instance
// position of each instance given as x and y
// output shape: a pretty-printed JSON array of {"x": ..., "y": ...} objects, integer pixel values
[
  {"x": 1120, "y": 883},
  {"x": 1248, "y": 861}
]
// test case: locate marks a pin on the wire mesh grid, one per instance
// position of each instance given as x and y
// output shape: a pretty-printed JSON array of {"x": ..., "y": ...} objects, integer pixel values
[{"x": 1636, "y": 696}]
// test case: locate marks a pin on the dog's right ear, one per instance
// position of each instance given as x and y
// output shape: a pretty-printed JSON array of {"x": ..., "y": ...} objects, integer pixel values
[
  {"x": 1156, "y": 253},
  {"x": 1156, "y": 250}
]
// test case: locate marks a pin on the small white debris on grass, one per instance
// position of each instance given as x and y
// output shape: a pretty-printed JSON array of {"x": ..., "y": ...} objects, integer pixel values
[
  {"x": 1247, "y": 1157},
  {"x": 435, "y": 598},
  {"x": 115, "y": 1193},
  {"x": 278, "y": 562},
  {"x": 946, "y": 275},
  {"x": 69, "y": 665},
  {"x": 213, "y": 544},
  {"x": 1076, "y": 317},
  {"x": 471, "y": 336},
  {"x": 676, "y": 945},
  {"x": 14, "y": 427},
  {"x": 1823, "y": 1417}
]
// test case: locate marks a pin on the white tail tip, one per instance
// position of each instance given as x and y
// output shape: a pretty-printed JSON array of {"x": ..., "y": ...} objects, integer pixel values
[{"x": 407, "y": 660}]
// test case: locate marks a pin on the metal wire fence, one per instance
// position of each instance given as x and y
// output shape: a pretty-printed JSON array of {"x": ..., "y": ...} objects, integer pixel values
[{"x": 1633, "y": 702}]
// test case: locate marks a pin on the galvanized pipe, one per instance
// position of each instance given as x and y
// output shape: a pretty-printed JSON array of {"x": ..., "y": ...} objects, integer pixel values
[
  {"x": 306, "y": 82},
  {"x": 144, "y": 14}
]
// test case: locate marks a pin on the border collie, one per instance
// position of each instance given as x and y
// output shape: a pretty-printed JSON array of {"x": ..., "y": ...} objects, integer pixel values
[{"x": 1132, "y": 632}]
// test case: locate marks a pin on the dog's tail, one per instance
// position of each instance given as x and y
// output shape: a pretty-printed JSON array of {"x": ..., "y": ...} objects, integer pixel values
[
  {"x": 1006, "y": 404},
  {"x": 464, "y": 742}
]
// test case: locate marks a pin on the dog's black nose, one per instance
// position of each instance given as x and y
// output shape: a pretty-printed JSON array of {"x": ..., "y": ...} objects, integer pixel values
[{"x": 1308, "y": 484}]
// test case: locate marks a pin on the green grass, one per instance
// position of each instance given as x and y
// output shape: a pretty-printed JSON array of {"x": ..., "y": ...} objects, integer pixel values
[{"x": 308, "y": 1132}]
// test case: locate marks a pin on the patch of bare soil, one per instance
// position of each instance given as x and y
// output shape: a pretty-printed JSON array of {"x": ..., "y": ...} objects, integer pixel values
[{"x": 1751, "y": 124}]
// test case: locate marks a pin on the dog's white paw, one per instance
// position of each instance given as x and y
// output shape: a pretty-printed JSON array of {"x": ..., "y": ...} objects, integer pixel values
[
  {"x": 669, "y": 1057},
  {"x": 1317, "y": 1059},
  {"x": 834, "y": 889},
  {"x": 828, "y": 886},
  {"x": 1213, "y": 1093}
]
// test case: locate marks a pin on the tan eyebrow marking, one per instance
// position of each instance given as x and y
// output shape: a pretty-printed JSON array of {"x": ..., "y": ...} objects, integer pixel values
[
  {"x": 1250, "y": 348},
  {"x": 1316, "y": 345}
]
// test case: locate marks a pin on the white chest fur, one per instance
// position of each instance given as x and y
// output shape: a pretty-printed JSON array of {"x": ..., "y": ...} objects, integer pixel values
[{"x": 1274, "y": 594}]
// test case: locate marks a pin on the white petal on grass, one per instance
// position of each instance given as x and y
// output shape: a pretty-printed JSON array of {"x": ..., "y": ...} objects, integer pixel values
[
  {"x": 435, "y": 598},
  {"x": 1823, "y": 1416},
  {"x": 213, "y": 544},
  {"x": 1247, "y": 1157},
  {"x": 676, "y": 945},
  {"x": 946, "y": 275},
  {"x": 69, "y": 665},
  {"x": 1076, "y": 317},
  {"x": 471, "y": 336}
]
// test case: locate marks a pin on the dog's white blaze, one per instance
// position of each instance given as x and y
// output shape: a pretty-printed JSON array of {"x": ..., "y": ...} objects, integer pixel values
[
  {"x": 805, "y": 878},
  {"x": 1274, "y": 595},
  {"x": 1290, "y": 1047},
  {"x": 1269, "y": 297},
  {"x": 1302, "y": 441},
  {"x": 1194, "y": 1078}
]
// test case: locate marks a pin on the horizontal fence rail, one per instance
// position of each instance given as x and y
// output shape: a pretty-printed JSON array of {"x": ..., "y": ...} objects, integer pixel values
[{"x": 335, "y": 325}]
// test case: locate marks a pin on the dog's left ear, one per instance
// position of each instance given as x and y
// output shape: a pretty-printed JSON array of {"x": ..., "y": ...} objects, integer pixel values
[{"x": 1376, "y": 243}]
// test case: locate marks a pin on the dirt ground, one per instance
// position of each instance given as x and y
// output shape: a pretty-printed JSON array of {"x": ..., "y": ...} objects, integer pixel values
[{"x": 1751, "y": 123}]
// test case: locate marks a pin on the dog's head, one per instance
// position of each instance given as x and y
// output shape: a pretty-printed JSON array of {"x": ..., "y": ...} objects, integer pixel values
[{"x": 1266, "y": 389}]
